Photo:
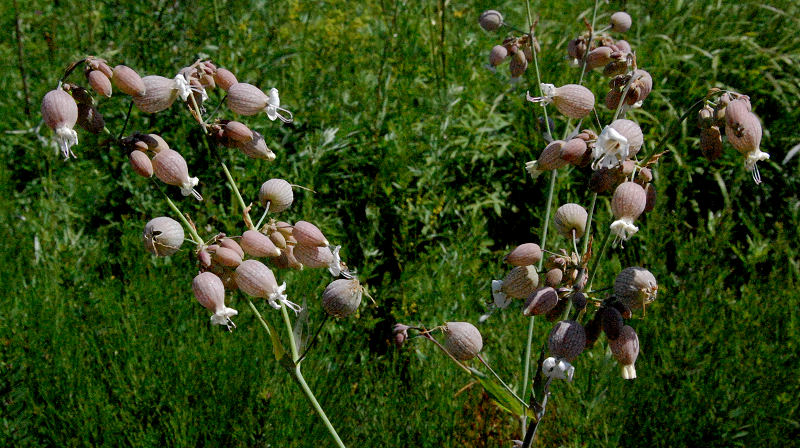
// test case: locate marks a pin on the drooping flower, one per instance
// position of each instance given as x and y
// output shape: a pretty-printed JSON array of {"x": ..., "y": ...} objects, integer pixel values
[{"x": 60, "y": 113}]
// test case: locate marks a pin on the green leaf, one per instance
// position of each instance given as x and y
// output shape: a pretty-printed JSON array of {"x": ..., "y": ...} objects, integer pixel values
[
  {"x": 277, "y": 346},
  {"x": 501, "y": 396}
]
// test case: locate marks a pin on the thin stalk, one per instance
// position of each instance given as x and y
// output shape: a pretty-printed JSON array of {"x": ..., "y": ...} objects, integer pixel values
[
  {"x": 313, "y": 400},
  {"x": 235, "y": 189},
  {"x": 260, "y": 318},
  {"x": 313, "y": 339},
  {"x": 195, "y": 237},
  {"x": 486, "y": 364},
  {"x": 125, "y": 124},
  {"x": 427, "y": 336}
]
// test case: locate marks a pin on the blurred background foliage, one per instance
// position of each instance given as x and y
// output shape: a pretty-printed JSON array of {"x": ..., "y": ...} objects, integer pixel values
[{"x": 416, "y": 154}]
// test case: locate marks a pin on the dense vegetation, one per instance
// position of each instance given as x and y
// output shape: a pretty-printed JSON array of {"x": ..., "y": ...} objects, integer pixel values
[{"x": 415, "y": 152}]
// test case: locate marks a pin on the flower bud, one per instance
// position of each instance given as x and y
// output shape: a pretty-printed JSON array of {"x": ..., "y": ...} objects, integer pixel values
[
  {"x": 313, "y": 256},
  {"x": 621, "y": 22},
  {"x": 210, "y": 292},
  {"x": 60, "y": 113},
  {"x": 170, "y": 167},
  {"x": 141, "y": 164},
  {"x": 497, "y": 55},
  {"x": 256, "y": 244},
  {"x": 224, "y": 79},
  {"x": 128, "y": 81},
  {"x": 99, "y": 82},
  {"x": 308, "y": 234},
  {"x": 524, "y": 255},
  {"x": 256, "y": 148}
]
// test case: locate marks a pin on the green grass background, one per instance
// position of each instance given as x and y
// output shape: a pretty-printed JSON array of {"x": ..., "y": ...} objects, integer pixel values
[{"x": 422, "y": 182}]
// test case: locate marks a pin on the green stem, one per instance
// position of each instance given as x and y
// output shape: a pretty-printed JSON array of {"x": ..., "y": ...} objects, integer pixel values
[
  {"x": 260, "y": 318},
  {"x": 313, "y": 400},
  {"x": 483, "y": 361},
  {"x": 195, "y": 237},
  {"x": 235, "y": 189}
]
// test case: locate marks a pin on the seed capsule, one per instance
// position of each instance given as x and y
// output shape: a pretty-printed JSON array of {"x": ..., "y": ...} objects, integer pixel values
[
  {"x": 599, "y": 57},
  {"x": 278, "y": 239},
  {"x": 623, "y": 46},
  {"x": 90, "y": 118},
  {"x": 308, "y": 234},
  {"x": 574, "y": 151},
  {"x": 541, "y": 301},
  {"x": 640, "y": 88},
  {"x": 141, "y": 164},
  {"x": 231, "y": 244},
  {"x": 462, "y": 340},
  {"x": 279, "y": 194},
  {"x": 621, "y": 22},
  {"x": 711, "y": 143},
  {"x": 342, "y": 297},
  {"x": 576, "y": 49},
  {"x": 255, "y": 279},
  {"x": 313, "y": 256},
  {"x": 246, "y": 99},
  {"x": 128, "y": 81},
  {"x": 160, "y": 94},
  {"x": 612, "y": 323},
  {"x": 570, "y": 218},
  {"x": 524, "y": 255},
  {"x": 498, "y": 54},
  {"x": 160, "y": 144},
  {"x": 553, "y": 277},
  {"x": 520, "y": 282},
  {"x": 628, "y": 203},
  {"x": 170, "y": 167},
  {"x": 256, "y": 244},
  {"x": 632, "y": 132},
  {"x": 578, "y": 300},
  {"x": 238, "y": 131},
  {"x": 162, "y": 236},
  {"x": 635, "y": 287},
  {"x": 256, "y": 148},
  {"x": 59, "y": 110},
  {"x": 490, "y": 20},
  {"x": 573, "y": 100},
  {"x": 518, "y": 64},
  {"x": 224, "y": 78},
  {"x": 225, "y": 256},
  {"x": 99, "y": 82},
  {"x": 567, "y": 340},
  {"x": 744, "y": 132},
  {"x": 210, "y": 292},
  {"x": 625, "y": 350}
]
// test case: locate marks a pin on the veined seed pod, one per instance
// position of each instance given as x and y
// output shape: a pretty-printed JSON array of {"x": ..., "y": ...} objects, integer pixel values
[
  {"x": 278, "y": 239},
  {"x": 625, "y": 350},
  {"x": 574, "y": 151},
  {"x": 287, "y": 260},
  {"x": 101, "y": 66},
  {"x": 256, "y": 279},
  {"x": 579, "y": 300},
  {"x": 599, "y": 57},
  {"x": 313, "y": 256},
  {"x": 342, "y": 297},
  {"x": 225, "y": 256},
  {"x": 141, "y": 164},
  {"x": 498, "y": 54},
  {"x": 60, "y": 113},
  {"x": 550, "y": 158},
  {"x": 623, "y": 46},
  {"x": 518, "y": 65},
  {"x": 160, "y": 144},
  {"x": 278, "y": 193},
  {"x": 490, "y": 20},
  {"x": 160, "y": 94},
  {"x": 632, "y": 132},
  {"x": 231, "y": 244},
  {"x": 99, "y": 82},
  {"x": 285, "y": 228},
  {"x": 162, "y": 236},
  {"x": 520, "y": 282},
  {"x": 635, "y": 287},
  {"x": 567, "y": 340},
  {"x": 611, "y": 321},
  {"x": 540, "y": 301},
  {"x": 224, "y": 78},
  {"x": 462, "y": 340},
  {"x": 246, "y": 99},
  {"x": 170, "y": 167},
  {"x": 572, "y": 100},
  {"x": 90, "y": 118},
  {"x": 628, "y": 203},
  {"x": 256, "y": 244},
  {"x": 524, "y": 255},
  {"x": 210, "y": 292},
  {"x": 621, "y": 22},
  {"x": 744, "y": 133},
  {"x": 553, "y": 277},
  {"x": 570, "y": 218},
  {"x": 308, "y": 234},
  {"x": 237, "y": 131},
  {"x": 640, "y": 88},
  {"x": 711, "y": 143},
  {"x": 256, "y": 148},
  {"x": 128, "y": 81}
]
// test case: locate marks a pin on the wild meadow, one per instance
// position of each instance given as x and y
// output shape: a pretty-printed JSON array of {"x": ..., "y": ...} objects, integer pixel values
[{"x": 411, "y": 155}]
